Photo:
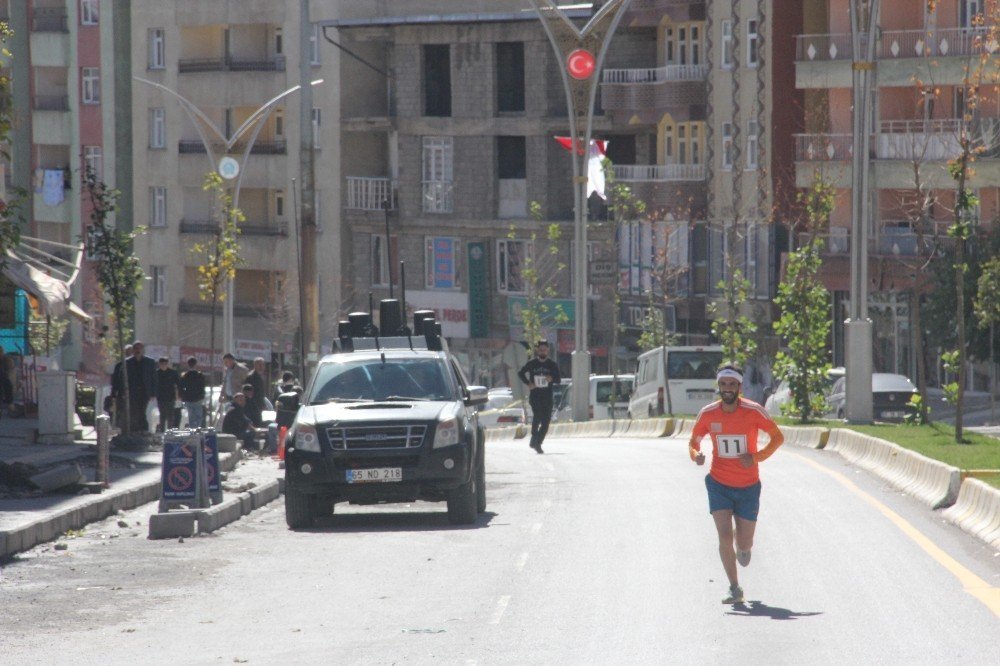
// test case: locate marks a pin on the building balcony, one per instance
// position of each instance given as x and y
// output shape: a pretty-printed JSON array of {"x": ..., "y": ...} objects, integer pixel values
[
  {"x": 247, "y": 229},
  {"x": 650, "y": 13},
  {"x": 232, "y": 64},
  {"x": 260, "y": 147},
  {"x": 60, "y": 213},
  {"x": 365, "y": 193},
  {"x": 676, "y": 188},
  {"x": 50, "y": 102},
  {"x": 190, "y": 306},
  {"x": 50, "y": 49},
  {"x": 52, "y": 127},
  {"x": 650, "y": 91},
  {"x": 49, "y": 19},
  {"x": 824, "y": 61},
  {"x": 891, "y": 238}
]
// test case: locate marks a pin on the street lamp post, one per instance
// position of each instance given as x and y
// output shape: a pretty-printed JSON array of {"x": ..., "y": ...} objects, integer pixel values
[
  {"x": 581, "y": 53},
  {"x": 858, "y": 361},
  {"x": 203, "y": 125}
]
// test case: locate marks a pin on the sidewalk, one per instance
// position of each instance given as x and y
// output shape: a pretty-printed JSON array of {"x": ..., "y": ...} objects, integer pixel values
[{"x": 28, "y": 519}]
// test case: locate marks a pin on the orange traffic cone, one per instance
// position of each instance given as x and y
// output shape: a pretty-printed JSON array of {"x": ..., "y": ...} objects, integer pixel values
[{"x": 282, "y": 433}]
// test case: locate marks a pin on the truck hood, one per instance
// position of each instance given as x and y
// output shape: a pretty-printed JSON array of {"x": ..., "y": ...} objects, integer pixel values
[{"x": 374, "y": 411}]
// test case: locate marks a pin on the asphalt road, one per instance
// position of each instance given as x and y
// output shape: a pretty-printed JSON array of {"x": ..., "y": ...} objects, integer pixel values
[{"x": 599, "y": 552}]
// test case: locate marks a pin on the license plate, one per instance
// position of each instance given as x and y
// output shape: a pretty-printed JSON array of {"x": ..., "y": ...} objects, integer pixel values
[
  {"x": 893, "y": 415},
  {"x": 375, "y": 475},
  {"x": 701, "y": 395}
]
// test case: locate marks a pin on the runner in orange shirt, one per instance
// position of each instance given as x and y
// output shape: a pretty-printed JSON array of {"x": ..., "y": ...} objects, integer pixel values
[{"x": 733, "y": 482}]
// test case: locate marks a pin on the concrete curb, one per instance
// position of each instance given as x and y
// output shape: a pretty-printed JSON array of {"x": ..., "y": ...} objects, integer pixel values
[
  {"x": 505, "y": 433},
  {"x": 977, "y": 511},
  {"x": 930, "y": 481},
  {"x": 175, "y": 524},
  {"x": 91, "y": 508},
  {"x": 809, "y": 437}
]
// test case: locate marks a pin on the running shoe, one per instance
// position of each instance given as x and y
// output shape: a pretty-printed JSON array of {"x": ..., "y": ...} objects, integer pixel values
[
  {"x": 735, "y": 595},
  {"x": 743, "y": 557}
]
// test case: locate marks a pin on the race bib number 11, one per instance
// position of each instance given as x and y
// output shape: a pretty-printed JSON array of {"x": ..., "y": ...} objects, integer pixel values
[{"x": 731, "y": 446}]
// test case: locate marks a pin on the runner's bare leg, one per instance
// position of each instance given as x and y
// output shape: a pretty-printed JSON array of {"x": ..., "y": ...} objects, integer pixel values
[{"x": 724, "y": 526}]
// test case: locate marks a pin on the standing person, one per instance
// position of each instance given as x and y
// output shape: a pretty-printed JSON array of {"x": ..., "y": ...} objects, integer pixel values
[
  {"x": 141, "y": 386},
  {"x": 6, "y": 382},
  {"x": 167, "y": 394},
  {"x": 234, "y": 375},
  {"x": 192, "y": 390},
  {"x": 540, "y": 374},
  {"x": 733, "y": 481},
  {"x": 257, "y": 379}
]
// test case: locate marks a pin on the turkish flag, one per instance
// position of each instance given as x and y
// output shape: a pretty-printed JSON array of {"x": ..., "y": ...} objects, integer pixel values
[{"x": 595, "y": 170}]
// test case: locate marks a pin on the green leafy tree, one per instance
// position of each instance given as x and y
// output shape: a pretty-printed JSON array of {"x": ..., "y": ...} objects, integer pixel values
[
  {"x": 10, "y": 210},
  {"x": 736, "y": 332},
  {"x": 219, "y": 257},
  {"x": 804, "y": 323},
  {"x": 987, "y": 309},
  {"x": 540, "y": 267},
  {"x": 117, "y": 267}
]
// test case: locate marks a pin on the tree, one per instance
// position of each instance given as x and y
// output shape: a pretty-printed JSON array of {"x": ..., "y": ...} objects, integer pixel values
[
  {"x": 987, "y": 309},
  {"x": 117, "y": 267},
  {"x": 10, "y": 217},
  {"x": 804, "y": 302},
  {"x": 537, "y": 275},
  {"x": 220, "y": 257},
  {"x": 736, "y": 332}
]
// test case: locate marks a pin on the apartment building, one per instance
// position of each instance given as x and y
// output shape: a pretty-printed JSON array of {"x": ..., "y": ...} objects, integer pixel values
[
  {"x": 63, "y": 89},
  {"x": 707, "y": 92},
  {"x": 448, "y": 142},
  {"x": 925, "y": 62},
  {"x": 225, "y": 61}
]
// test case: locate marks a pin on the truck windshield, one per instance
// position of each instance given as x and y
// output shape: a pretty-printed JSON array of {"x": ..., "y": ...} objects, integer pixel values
[{"x": 371, "y": 379}]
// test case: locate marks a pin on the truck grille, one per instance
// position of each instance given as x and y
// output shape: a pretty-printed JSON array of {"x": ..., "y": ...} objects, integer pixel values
[{"x": 376, "y": 436}]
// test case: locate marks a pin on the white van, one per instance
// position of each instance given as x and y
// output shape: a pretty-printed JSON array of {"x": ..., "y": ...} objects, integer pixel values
[
  {"x": 690, "y": 374},
  {"x": 603, "y": 397}
]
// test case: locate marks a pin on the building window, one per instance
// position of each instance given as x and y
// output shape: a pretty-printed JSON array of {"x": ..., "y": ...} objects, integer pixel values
[
  {"x": 591, "y": 289},
  {"x": 437, "y": 174},
  {"x": 279, "y": 44},
  {"x": 157, "y": 128},
  {"x": 89, "y": 14},
  {"x": 752, "y": 38},
  {"x": 381, "y": 260},
  {"x": 968, "y": 11},
  {"x": 279, "y": 123},
  {"x": 157, "y": 206},
  {"x": 510, "y": 77},
  {"x": 314, "y": 58},
  {"x": 727, "y": 44},
  {"x": 91, "y": 77},
  {"x": 159, "y": 279},
  {"x": 317, "y": 121},
  {"x": 93, "y": 161},
  {"x": 682, "y": 143},
  {"x": 156, "y": 53},
  {"x": 441, "y": 262},
  {"x": 727, "y": 146},
  {"x": 437, "y": 80},
  {"x": 279, "y": 204},
  {"x": 753, "y": 144},
  {"x": 511, "y": 157},
  {"x": 511, "y": 255},
  {"x": 683, "y": 44}
]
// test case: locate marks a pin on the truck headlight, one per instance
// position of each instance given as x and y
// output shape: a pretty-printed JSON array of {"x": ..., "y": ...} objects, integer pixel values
[
  {"x": 306, "y": 438},
  {"x": 446, "y": 433}
]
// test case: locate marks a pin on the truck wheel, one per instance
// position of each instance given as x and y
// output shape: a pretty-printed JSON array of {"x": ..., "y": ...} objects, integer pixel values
[
  {"x": 481, "y": 484},
  {"x": 298, "y": 509},
  {"x": 462, "y": 503}
]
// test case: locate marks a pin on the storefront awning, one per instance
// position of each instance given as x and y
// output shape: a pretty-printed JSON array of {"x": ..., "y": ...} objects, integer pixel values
[{"x": 52, "y": 294}]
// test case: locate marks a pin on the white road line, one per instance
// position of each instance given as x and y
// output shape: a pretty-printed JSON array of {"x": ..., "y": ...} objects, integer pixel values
[
  {"x": 536, "y": 528},
  {"x": 501, "y": 607},
  {"x": 521, "y": 561}
]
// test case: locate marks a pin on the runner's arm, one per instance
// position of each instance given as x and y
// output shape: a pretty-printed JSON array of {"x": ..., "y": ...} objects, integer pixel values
[{"x": 777, "y": 439}]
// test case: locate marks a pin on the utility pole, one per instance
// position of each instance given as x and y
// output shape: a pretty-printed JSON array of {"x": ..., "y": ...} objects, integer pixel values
[{"x": 308, "y": 238}]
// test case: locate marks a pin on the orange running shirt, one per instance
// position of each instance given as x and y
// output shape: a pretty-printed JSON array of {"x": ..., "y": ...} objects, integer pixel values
[{"x": 732, "y": 435}]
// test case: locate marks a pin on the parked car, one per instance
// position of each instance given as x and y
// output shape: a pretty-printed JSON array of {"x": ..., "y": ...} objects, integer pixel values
[
  {"x": 502, "y": 410},
  {"x": 688, "y": 371},
  {"x": 891, "y": 395},
  {"x": 782, "y": 394},
  {"x": 605, "y": 393}
]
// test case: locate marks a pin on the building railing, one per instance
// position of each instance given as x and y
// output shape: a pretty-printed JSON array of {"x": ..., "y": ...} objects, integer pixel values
[
  {"x": 231, "y": 64},
  {"x": 656, "y": 74},
  {"x": 190, "y": 306},
  {"x": 906, "y": 139},
  {"x": 370, "y": 193},
  {"x": 50, "y": 102},
  {"x": 823, "y": 147},
  {"x": 896, "y": 44},
  {"x": 268, "y": 147},
  {"x": 195, "y": 226},
  {"x": 659, "y": 173},
  {"x": 890, "y": 238},
  {"x": 49, "y": 19}
]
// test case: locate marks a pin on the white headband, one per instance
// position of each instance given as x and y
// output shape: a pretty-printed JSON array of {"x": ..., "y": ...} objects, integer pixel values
[{"x": 728, "y": 372}]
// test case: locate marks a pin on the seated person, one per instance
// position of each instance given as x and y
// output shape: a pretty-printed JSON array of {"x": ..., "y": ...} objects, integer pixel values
[
  {"x": 254, "y": 409},
  {"x": 236, "y": 422}
]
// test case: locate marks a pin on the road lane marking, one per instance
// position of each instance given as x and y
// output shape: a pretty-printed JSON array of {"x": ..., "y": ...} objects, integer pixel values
[
  {"x": 521, "y": 561},
  {"x": 501, "y": 607},
  {"x": 989, "y": 596}
]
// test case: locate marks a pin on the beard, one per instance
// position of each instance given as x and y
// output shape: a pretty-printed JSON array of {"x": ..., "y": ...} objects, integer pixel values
[{"x": 729, "y": 397}]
